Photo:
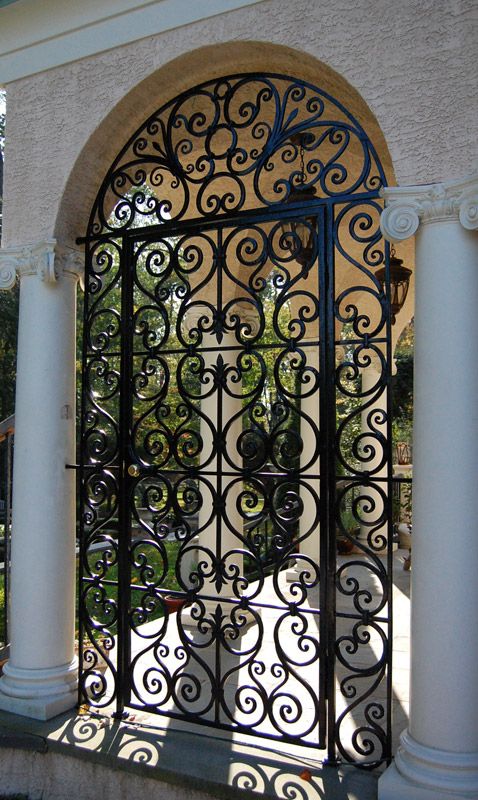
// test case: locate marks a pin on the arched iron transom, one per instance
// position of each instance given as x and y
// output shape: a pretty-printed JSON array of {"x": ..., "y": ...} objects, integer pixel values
[{"x": 235, "y": 460}]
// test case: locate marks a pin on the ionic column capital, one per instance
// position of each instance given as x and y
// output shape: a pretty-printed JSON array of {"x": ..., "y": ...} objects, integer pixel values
[
  {"x": 249, "y": 317},
  {"x": 409, "y": 206},
  {"x": 46, "y": 259},
  {"x": 378, "y": 362},
  {"x": 197, "y": 316},
  {"x": 72, "y": 262}
]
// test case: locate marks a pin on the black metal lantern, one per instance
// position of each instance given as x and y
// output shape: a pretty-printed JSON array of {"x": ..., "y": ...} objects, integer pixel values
[
  {"x": 399, "y": 282},
  {"x": 301, "y": 243}
]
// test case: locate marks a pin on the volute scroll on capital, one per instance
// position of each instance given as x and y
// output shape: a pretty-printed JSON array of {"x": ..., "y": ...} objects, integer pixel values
[
  {"x": 72, "y": 262},
  {"x": 469, "y": 213},
  {"x": 409, "y": 206},
  {"x": 46, "y": 259}
]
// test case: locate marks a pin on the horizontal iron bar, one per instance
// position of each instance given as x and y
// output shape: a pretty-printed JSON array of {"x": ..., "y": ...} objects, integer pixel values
[
  {"x": 343, "y": 615},
  {"x": 193, "y": 719},
  {"x": 231, "y": 601},
  {"x": 235, "y": 348},
  {"x": 239, "y": 348},
  {"x": 194, "y": 472},
  {"x": 268, "y": 214}
]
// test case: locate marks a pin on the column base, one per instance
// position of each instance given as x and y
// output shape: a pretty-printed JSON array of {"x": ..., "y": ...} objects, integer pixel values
[
  {"x": 292, "y": 575},
  {"x": 424, "y": 773},
  {"x": 39, "y": 693}
]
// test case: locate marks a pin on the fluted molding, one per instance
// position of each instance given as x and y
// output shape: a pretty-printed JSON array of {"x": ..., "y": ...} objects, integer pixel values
[
  {"x": 409, "y": 206},
  {"x": 46, "y": 259}
]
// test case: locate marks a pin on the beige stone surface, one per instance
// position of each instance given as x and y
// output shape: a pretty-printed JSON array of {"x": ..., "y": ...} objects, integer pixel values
[{"x": 406, "y": 69}]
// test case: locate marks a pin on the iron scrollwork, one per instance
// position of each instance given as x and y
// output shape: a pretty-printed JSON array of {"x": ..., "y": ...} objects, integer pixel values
[
  {"x": 231, "y": 145},
  {"x": 217, "y": 415}
]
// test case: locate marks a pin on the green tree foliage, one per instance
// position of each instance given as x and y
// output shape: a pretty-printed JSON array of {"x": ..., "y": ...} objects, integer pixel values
[
  {"x": 8, "y": 320},
  {"x": 402, "y": 387},
  {"x": 8, "y": 350},
  {"x": 2, "y": 143}
]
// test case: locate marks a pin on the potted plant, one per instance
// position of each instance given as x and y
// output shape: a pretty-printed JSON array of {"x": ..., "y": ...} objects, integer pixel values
[
  {"x": 346, "y": 532},
  {"x": 173, "y": 603}
]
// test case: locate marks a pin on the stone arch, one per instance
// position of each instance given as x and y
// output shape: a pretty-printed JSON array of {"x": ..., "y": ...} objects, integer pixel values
[{"x": 169, "y": 81}]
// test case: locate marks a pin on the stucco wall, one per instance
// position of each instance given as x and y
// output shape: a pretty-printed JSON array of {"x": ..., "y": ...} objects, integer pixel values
[{"x": 412, "y": 61}]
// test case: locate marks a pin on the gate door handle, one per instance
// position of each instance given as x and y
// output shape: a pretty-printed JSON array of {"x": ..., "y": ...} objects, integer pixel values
[{"x": 133, "y": 470}]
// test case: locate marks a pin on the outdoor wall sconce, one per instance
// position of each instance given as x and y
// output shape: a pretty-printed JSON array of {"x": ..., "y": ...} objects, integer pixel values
[
  {"x": 399, "y": 282},
  {"x": 301, "y": 243}
]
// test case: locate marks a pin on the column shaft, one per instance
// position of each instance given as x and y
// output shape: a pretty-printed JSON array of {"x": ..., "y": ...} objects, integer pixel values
[
  {"x": 39, "y": 679},
  {"x": 310, "y": 489},
  {"x": 310, "y": 493},
  {"x": 445, "y": 541},
  {"x": 374, "y": 417},
  {"x": 231, "y": 407},
  {"x": 438, "y": 754}
]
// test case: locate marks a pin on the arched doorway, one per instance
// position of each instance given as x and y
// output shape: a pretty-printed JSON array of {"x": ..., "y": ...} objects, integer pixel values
[{"x": 234, "y": 422}]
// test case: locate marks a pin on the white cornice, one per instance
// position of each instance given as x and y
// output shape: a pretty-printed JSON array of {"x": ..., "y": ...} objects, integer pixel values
[
  {"x": 28, "y": 259},
  {"x": 409, "y": 206},
  {"x": 36, "y": 36}
]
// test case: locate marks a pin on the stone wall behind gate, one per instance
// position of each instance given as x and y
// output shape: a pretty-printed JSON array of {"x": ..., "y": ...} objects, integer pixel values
[{"x": 412, "y": 61}]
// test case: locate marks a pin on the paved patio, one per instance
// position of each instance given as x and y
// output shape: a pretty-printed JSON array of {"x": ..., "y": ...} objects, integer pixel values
[{"x": 174, "y": 761}]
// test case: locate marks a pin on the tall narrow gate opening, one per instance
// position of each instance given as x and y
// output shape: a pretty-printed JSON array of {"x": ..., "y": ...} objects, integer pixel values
[{"x": 235, "y": 447}]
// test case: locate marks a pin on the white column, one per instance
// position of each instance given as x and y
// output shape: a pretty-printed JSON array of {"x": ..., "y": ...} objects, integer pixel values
[
  {"x": 40, "y": 678},
  {"x": 231, "y": 406},
  {"x": 374, "y": 421},
  {"x": 207, "y": 535},
  {"x": 438, "y": 754},
  {"x": 231, "y": 410},
  {"x": 309, "y": 525}
]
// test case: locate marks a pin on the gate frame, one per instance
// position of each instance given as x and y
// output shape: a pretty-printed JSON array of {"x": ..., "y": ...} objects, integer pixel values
[{"x": 274, "y": 212}]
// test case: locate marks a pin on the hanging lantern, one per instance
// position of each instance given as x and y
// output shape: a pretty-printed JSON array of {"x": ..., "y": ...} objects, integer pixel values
[
  {"x": 301, "y": 242},
  {"x": 399, "y": 283}
]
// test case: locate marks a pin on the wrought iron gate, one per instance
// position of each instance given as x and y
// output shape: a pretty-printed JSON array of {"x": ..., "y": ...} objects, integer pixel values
[{"x": 232, "y": 437}]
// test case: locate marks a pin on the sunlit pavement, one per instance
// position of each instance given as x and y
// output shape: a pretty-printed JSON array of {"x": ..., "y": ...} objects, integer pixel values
[{"x": 211, "y": 761}]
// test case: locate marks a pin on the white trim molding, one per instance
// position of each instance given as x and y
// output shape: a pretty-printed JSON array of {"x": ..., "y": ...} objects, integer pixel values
[
  {"x": 38, "y": 36},
  {"x": 46, "y": 259},
  {"x": 409, "y": 206}
]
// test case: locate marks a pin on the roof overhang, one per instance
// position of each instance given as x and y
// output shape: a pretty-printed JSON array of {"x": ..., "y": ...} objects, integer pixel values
[{"x": 38, "y": 36}]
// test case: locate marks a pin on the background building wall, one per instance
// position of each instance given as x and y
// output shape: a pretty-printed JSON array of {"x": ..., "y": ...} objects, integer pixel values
[{"x": 413, "y": 62}]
